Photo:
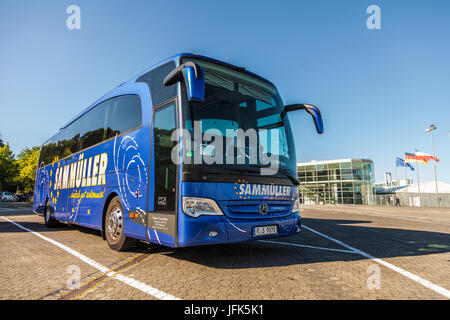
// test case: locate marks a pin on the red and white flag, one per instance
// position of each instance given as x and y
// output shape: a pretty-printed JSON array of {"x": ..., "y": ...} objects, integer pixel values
[
  {"x": 412, "y": 158},
  {"x": 425, "y": 157},
  {"x": 419, "y": 157}
]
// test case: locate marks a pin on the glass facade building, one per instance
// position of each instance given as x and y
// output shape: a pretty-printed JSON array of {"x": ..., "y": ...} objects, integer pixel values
[{"x": 344, "y": 181}]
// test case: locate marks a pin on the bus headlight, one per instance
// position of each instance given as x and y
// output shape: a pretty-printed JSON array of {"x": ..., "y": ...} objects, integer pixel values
[
  {"x": 195, "y": 207},
  {"x": 296, "y": 207}
]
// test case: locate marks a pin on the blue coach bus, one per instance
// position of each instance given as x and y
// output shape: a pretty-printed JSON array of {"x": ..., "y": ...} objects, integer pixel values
[{"x": 145, "y": 161}]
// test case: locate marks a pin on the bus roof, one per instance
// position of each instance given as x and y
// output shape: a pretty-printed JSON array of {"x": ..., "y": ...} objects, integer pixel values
[{"x": 175, "y": 58}]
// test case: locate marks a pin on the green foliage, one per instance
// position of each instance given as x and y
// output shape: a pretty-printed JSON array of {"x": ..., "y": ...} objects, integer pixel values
[
  {"x": 8, "y": 169},
  {"x": 26, "y": 163},
  {"x": 17, "y": 173}
]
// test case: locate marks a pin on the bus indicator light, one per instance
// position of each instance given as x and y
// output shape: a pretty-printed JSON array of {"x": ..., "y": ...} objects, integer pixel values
[{"x": 213, "y": 234}]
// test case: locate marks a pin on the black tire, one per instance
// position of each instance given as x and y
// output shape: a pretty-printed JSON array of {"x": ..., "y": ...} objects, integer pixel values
[
  {"x": 114, "y": 223},
  {"x": 49, "y": 221}
]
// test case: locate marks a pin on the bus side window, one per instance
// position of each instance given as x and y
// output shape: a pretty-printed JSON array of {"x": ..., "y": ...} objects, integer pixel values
[
  {"x": 91, "y": 128},
  {"x": 123, "y": 113},
  {"x": 165, "y": 169}
]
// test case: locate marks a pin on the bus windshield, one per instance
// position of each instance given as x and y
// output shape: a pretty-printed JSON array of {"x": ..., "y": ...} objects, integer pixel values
[{"x": 237, "y": 101}]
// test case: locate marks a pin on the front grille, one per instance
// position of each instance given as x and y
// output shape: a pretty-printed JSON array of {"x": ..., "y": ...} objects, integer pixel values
[{"x": 249, "y": 209}]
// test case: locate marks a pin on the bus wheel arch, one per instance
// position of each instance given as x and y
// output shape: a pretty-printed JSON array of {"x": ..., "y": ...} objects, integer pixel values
[
  {"x": 114, "y": 226},
  {"x": 105, "y": 208}
]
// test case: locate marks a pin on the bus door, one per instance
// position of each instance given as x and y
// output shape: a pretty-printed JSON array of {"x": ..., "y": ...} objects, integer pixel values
[
  {"x": 162, "y": 219},
  {"x": 75, "y": 196},
  {"x": 62, "y": 190}
]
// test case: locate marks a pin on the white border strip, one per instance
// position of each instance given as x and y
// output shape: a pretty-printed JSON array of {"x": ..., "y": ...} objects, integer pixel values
[
  {"x": 404, "y": 273},
  {"x": 306, "y": 246},
  {"x": 127, "y": 280}
]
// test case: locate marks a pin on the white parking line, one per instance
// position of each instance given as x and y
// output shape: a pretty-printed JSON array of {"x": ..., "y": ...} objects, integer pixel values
[
  {"x": 306, "y": 246},
  {"x": 405, "y": 273},
  {"x": 127, "y": 280}
]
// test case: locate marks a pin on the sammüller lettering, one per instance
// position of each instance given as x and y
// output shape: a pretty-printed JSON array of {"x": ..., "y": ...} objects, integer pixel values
[
  {"x": 263, "y": 190},
  {"x": 82, "y": 173}
]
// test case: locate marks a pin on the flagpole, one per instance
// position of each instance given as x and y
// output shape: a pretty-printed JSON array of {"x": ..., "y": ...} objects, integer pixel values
[
  {"x": 435, "y": 175},
  {"x": 404, "y": 167},
  {"x": 396, "y": 178},
  {"x": 418, "y": 181}
]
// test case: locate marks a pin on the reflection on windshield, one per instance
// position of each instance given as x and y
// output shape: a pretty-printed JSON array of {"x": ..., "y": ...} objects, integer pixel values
[{"x": 237, "y": 105}]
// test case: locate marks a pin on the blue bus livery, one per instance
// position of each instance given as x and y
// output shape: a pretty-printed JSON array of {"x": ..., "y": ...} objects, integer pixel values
[{"x": 146, "y": 162}]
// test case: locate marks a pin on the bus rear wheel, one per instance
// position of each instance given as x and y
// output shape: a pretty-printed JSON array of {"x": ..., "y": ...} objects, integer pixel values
[
  {"x": 114, "y": 227},
  {"x": 49, "y": 221}
]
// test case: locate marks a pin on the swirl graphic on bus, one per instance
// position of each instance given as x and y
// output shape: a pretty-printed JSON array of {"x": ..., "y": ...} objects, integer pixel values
[
  {"x": 130, "y": 170},
  {"x": 43, "y": 189}
]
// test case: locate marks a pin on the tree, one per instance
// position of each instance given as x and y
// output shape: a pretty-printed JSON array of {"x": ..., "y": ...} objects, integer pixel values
[
  {"x": 8, "y": 169},
  {"x": 18, "y": 173},
  {"x": 26, "y": 165}
]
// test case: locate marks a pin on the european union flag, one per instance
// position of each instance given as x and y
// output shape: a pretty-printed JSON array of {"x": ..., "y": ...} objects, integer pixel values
[{"x": 399, "y": 162}]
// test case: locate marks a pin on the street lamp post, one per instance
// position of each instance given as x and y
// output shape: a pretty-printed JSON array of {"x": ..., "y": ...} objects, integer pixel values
[{"x": 430, "y": 130}]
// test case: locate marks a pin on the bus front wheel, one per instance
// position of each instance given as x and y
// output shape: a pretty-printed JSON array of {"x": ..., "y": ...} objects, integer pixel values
[{"x": 114, "y": 227}]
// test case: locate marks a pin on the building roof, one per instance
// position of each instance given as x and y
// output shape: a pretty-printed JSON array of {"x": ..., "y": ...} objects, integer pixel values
[
  {"x": 313, "y": 162},
  {"x": 428, "y": 187},
  {"x": 390, "y": 190}
]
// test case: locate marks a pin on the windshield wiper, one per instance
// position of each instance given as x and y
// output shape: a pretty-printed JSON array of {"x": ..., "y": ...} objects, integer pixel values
[
  {"x": 234, "y": 171},
  {"x": 252, "y": 168},
  {"x": 294, "y": 180}
]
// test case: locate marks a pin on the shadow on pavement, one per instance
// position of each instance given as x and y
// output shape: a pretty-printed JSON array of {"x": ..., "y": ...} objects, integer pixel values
[
  {"x": 379, "y": 242},
  {"x": 11, "y": 213}
]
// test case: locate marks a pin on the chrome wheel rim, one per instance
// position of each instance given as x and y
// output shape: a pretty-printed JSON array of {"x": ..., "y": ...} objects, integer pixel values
[{"x": 115, "y": 223}]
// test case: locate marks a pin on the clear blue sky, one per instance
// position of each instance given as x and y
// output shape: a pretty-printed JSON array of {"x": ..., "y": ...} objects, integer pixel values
[{"x": 378, "y": 90}]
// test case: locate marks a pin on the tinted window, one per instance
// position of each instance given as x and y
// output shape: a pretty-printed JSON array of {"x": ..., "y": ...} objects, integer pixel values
[
  {"x": 70, "y": 139},
  {"x": 122, "y": 114},
  {"x": 165, "y": 169},
  {"x": 236, "y": 100},
  {"x": 50, "y": 149},
  {"x": 154, "y": 80},
  {"x": 104, "y": 121},
  {"x": 92, "y": 126}
]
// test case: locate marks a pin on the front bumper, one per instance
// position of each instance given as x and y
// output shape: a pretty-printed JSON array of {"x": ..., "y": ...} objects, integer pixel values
[{"x": 197, "y": 231}]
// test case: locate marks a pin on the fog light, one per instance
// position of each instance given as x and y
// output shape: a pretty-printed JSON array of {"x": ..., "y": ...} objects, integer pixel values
[{"x": 213, "y": 234}]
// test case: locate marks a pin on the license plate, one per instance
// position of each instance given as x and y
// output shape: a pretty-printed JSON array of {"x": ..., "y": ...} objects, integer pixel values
[{"x": 264, "y": 231}]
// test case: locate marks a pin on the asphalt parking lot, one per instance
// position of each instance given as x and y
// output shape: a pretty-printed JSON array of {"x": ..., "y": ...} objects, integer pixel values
[{"x": 343, "y": 252}]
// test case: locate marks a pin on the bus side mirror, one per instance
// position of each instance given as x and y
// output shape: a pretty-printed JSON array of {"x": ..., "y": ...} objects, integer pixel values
[
  {"x": 312, "y": 110},
  {"x": 193, "y": 77}
]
